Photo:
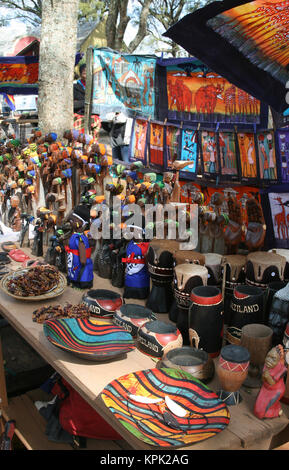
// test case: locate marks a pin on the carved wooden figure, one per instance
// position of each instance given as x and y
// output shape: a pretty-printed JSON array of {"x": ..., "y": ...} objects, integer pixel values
[{"x": 267, "y": 404}]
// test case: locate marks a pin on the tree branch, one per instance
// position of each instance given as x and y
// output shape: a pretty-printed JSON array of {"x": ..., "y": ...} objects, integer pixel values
[{"x": 142, "y": 29}]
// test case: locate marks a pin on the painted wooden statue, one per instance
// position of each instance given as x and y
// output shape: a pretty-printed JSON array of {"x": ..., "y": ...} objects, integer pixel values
[{"x": 268, "y": 400}]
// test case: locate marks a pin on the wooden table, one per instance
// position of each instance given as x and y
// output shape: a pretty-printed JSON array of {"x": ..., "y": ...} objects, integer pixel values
[{"x": 245, "y": 431}]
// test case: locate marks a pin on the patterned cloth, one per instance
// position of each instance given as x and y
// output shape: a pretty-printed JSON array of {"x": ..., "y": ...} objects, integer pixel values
[{"x": 78, "y": 123}]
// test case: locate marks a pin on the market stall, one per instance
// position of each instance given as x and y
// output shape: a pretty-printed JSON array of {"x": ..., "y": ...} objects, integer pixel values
[{"x": 129, "y": 315}]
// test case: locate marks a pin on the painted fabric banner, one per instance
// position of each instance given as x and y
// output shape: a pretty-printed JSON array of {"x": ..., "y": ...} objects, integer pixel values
[
  {"x": 189, "y": 151},
  {"x": 267, "y": 157},
  {"x": 209, "y": 153},
  {"x": 259, "y": 29},
  {"x": 248, "y": 156},
  {"x": 275, "y": 203},
  {"x": 19, "y": 75},
  {"x": 279, "y": 204},
  {"x": 156, "y": 145},
  {"x": 172, "y": 144},
  {"x": 123, "y": 82},
  {"x": 138, "y": 143},
  {"x": 214, "y": 45},
  {"x": 228, "y": 156},
  {"x": 205, "y": 96},
  {"x": 282, "y": 138}
]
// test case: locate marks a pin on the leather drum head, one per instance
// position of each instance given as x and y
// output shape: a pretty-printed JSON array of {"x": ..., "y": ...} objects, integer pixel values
[
  {"x": 189, "y": 256},
  {"x": 186, "y": 277},
  {"x": 263, "y": 268}
]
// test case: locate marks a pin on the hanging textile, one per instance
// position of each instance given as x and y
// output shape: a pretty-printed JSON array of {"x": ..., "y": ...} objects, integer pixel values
[
  {"x": 197, "y": 94},
  {"x": 282, "y": 142},
  {"x": 189, "y": 152},
  {"x": 172, "y": 144},
  {"x": 156, "y": 145},
  {"x": 267, "y": 157},
  {"x": 123, "y": 82},
  {"x": 239, "y": 40},
  {"x": 248, "y": 157},
  {"x": 275, "y": 203},
  {"x": 138, "y": 143},
  {"x": 259, "y": 30},
  {"x": 19, "y": 75},
  {"x": 209, "y": 154},
  {"x": 228, "y": 156}
]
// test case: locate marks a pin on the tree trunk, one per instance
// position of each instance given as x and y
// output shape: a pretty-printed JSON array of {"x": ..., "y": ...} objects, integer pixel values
[
  {"x": 56, "y": 65},
  {"x": 111, "y": 22}
]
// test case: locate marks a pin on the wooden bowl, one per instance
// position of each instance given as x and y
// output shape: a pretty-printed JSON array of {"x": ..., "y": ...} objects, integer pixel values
[{"x": 195, "y": 361}]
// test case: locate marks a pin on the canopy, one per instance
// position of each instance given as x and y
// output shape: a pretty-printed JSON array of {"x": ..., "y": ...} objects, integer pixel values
[{"x": 246, "y": 42}]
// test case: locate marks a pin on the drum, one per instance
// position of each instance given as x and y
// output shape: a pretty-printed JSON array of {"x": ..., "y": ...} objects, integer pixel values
[
  {"x": 263, "y": 267},
  {"x": 273, "y": 287},
  {"x": 160, "y": 262},
  {"x": 279, "y": 314},
  {"x": 285, "y": 253},
  {"x": 232, "y": 370},
  {"x": 102, "y": 303},
  {"x": 192, "y": 360},
  {"x": 186, "y": 277},
  {"x": 247, "y": 306},
  {"x": 157, "y": 338},
  {"x": 189, "y": 256},
  {"x": 206, "y": 319},
  {"x": 213, "y": 263},
  {"x": 234, "y": 274},
  {"x": 131, "y": 317},
  {"x": 182, "y": 257}
]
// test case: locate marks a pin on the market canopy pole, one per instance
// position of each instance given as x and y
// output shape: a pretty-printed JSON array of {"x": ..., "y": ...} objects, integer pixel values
[{"x": 56, "y": 65}]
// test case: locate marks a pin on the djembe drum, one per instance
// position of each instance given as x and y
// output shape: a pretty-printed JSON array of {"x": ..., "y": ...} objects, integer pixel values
[
  {"x": 273, "y": 287},
  {"x": 263, "y": 267},
  {"x": 206, "y": 319},
  {"x": 232, "y": 370},
  {"x": 213, "y": 263},
  {"x": 279, "y": 314},
  {"x": 183, "y": 257},
  {"x": 186, "y": 277},
  {"x": 285, "y": 253},
  {"x": 233, "y": 275},
  {"x": 247, "y": 306},
  {"x": 160, "y": 262}
]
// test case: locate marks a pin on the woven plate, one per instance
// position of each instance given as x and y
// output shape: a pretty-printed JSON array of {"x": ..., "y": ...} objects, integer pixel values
[
  {"x": 54, "y": 292},
  {"x": 207, "y": 415},
  {"x": 88, "y": 338}
]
